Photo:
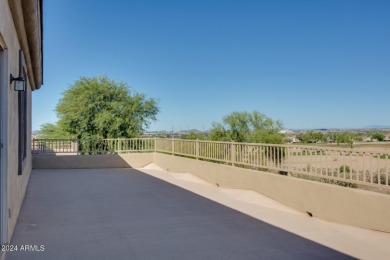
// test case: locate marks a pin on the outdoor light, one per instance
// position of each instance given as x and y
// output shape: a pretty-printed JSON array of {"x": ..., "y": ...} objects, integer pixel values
[{"x": 19, "y": 83}]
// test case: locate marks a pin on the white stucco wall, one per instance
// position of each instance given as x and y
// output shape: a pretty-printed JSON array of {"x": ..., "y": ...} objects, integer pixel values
[{"x": 16, "y": 184}]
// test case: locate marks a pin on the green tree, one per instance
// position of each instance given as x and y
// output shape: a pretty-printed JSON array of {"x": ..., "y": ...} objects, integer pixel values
[
  {"x": 318, "y": 137},
  {"x": 238, "y": 124},
  {"x": 311, "y": 137},
  {"x": 52, "y": 131},
  {"x": 219, "y": 133},
  {"x": 346, "y": 137},
  {"x": 330, "y": 136},
  {"x": 194, "y": 136},
  {"x": 98, "y": 107},
  {"x": 247, "y": 127},
  {"x": 303, "y": 137},
  {"x": 378, "y": 136}
]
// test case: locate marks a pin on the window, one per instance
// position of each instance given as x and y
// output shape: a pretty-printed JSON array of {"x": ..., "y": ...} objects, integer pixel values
[{"x": 22, "y": 116}]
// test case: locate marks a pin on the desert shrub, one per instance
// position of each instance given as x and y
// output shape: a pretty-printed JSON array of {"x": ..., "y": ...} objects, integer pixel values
[{"x": 345, "y": 168}]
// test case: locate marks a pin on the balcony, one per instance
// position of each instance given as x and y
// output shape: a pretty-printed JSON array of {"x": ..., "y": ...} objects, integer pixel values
[
  {"x": 176, "y": 199},
  {"x": 356, "y": 168}
]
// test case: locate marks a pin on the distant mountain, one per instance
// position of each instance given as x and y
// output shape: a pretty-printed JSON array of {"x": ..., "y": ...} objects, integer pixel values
[
  {"x": 177, "y": 132},
  {"x": 190, "y": 131},
  {"x": 377, "y": 126}
]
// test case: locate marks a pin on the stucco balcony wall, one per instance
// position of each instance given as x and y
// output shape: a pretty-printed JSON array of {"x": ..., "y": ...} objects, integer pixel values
[
  {"x": 130, "y": 160},
  {"x": 329, "y": 202}
]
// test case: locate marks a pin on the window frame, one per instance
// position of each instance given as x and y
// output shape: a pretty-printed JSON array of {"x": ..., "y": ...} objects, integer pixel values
[{"x": 22, "y": 116}]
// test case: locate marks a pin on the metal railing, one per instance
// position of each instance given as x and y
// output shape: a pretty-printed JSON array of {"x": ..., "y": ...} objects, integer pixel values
[
  {"x": 347, "y": 167},
  {"x": 342, "y": 166},
  {"x": 91, "y": 146}
]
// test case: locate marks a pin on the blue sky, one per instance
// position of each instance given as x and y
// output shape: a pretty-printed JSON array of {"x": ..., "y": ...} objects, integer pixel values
[{"x": 311, "y": 64}]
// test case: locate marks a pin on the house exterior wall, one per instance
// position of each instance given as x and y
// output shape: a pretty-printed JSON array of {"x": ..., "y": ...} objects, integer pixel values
[{"x": 15, "y": 184}]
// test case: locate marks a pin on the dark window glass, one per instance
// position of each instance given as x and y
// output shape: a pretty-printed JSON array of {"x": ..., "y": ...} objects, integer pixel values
[{"x": 22, "y": 107}]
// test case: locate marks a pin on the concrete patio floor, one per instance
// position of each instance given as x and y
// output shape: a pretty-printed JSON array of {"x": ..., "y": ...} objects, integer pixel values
[
  {"x": 354, "y": 241},
  {"x": 128, "y": 214}
]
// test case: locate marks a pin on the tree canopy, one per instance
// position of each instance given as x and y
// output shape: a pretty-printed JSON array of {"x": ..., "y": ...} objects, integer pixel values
[
  {"x": 311, "y": 137},
  {"x": 194, "y": 136},
  {"x": 378, "y": 136},
  {"x": 53, "y": 131},
  {"x": 247, "y": 127},
  {"x": 346, "y": 137},
  {"x": 98, "y": 107}
]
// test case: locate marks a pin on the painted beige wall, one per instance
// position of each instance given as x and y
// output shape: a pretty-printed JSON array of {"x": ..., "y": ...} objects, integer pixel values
[
  {"x": 329, "y": 202},
  {"x": 16, "y": 183},
  {"x": 133, "y": 160}
]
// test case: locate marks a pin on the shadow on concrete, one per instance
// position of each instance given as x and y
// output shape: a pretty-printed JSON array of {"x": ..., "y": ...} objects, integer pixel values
[
  {"x": 127, "y": 214},
  {"x": 70, "y": 161}
]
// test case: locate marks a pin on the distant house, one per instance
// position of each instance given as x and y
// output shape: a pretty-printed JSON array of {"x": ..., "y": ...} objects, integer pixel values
[
  {"x": 292, "y": 139},
  {"x": 295, "y": 140},
  {"x": 20, "y": 74},
  {"x": 366, "y": 139},
  {"x": 286, "y": 131},
  {"x": 387, "y": 137}
]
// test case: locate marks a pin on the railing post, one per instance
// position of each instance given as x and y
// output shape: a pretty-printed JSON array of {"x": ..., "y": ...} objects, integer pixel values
[
  {"x": 119, "y": 146},
  {"x": 287, "y": 161},
  {"x": 78, "y": 147},
  {"x": 173, "y": 146},
  {"x": 232, "y": 153},
  {"x": 197, "y": 149},
  {"x": 155, "y": 144}
]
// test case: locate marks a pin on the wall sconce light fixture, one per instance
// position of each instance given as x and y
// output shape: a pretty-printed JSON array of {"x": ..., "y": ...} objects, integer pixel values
[{"x": 19, "y": 83}]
